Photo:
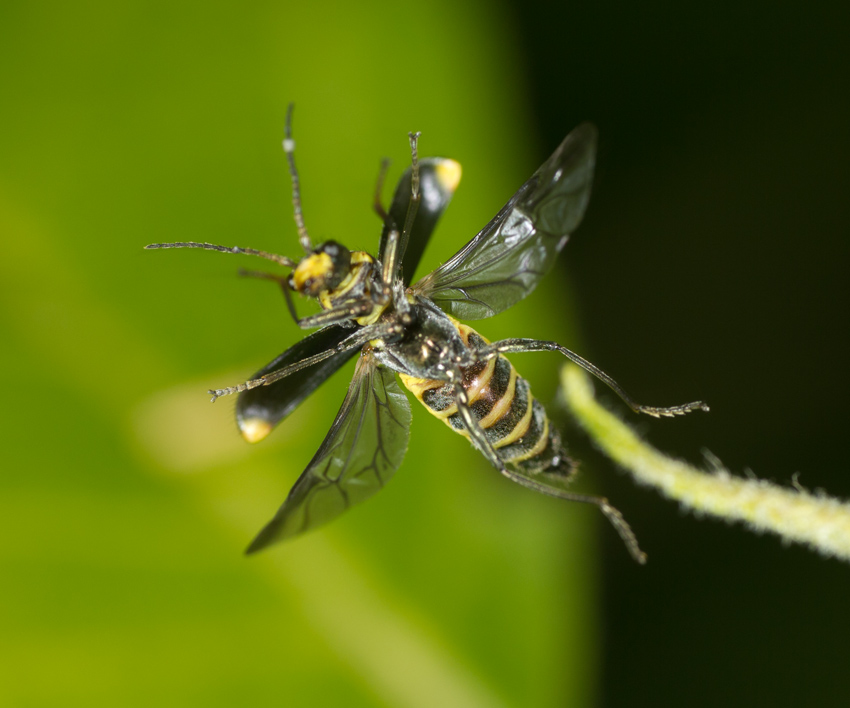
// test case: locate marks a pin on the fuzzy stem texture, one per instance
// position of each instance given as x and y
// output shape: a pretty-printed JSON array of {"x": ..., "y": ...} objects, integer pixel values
[{"x": 816, "y": 520}]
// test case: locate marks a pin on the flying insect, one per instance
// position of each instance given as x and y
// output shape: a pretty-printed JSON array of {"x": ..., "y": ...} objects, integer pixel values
[{"x": 372, "y": 310}]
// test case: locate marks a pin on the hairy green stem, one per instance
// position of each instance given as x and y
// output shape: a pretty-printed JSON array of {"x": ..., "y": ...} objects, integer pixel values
[{"x": 815, "y": 520}]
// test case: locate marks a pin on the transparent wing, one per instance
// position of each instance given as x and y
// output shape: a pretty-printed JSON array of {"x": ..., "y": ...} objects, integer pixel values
[
  {"x": 259, "y": 410},
  {"x": 509, "y": 256},
  {"x": 362, "y": 450},
  {"x": 438, "y": 179}
]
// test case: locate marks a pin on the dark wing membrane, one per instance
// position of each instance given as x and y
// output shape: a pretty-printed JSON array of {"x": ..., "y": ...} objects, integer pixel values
[
  {"x": 438, "y": 179},
  {"x": 260, "y": 409},
  {"x": 362, "y": 450},
  {"x": 510, "y": 255}
]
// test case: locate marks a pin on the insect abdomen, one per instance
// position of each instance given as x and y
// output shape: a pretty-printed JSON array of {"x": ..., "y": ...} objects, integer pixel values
[{"x": 500, "y": 400}]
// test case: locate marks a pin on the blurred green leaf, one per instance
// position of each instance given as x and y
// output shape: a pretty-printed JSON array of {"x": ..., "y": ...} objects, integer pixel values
[{"x": 127, "y": 499}]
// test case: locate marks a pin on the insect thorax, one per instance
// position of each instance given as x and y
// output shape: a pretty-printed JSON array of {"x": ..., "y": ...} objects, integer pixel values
[
  {"x": 360, "y": 285},
  {"x": 429, "y": 347}
]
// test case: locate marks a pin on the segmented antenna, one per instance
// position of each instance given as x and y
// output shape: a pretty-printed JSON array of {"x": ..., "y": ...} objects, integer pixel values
[
  {"x": 289, "y": 149},
  {"x": 280, "y": 260}
]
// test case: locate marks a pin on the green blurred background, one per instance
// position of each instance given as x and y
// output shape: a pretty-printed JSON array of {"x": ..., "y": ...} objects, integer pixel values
[{"x": 712, "y": 264}]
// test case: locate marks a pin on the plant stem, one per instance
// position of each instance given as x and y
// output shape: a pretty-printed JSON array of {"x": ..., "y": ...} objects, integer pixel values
[{"x": 816, "y": 520}]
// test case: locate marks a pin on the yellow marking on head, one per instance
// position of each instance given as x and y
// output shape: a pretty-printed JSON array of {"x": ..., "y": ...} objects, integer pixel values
[
  {"x": 316, "y": 265},
  {"x": 255, "y": 429},
  {"x": 448, "y": 173}
]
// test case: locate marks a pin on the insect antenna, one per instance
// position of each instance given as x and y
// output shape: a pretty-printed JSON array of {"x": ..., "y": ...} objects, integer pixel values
[
  {"x": 289, "y": 149},
  {"x": 280, "y": 260}
]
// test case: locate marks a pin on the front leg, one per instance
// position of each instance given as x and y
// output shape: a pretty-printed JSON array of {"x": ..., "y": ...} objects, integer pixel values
[
  {"x": 354, "y": 341},
  {"x": 335, "y": 315}
]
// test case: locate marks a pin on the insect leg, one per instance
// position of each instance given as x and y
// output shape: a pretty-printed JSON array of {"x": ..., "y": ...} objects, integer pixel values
[
  {"x": 279, "y": 374},
  {"x": 282, "y": 281},
  {"x": 289, "y": 149},
  {"x": 354, "y": 341},
  {"x": 507, "y": 346},
  {"x": 393, "y": 287},
  {"x": 476, "y": 434},
  {"x": 261, "y": 275},
  {"x": 391, "y": 258},
  {"x": 481, "y": 442},
  {"x": 335, "y": 315}
]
